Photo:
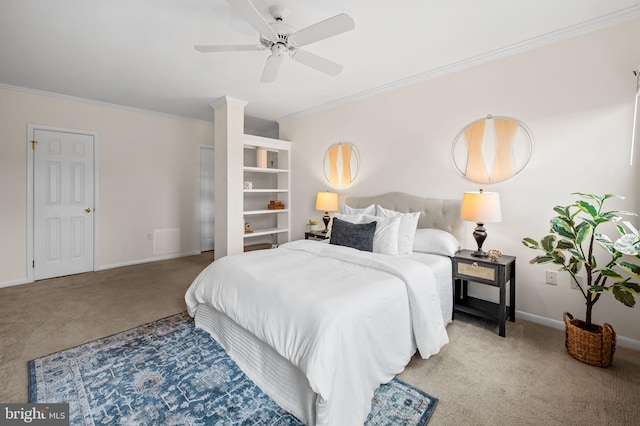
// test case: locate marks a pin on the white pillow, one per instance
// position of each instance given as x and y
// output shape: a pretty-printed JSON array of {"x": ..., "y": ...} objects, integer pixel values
[
  {"x": 385, "y": 239},
  {"x": 371, "y": 210},
  {"x": 435, "y": 241},
  {"x": 407, "y": 231}
]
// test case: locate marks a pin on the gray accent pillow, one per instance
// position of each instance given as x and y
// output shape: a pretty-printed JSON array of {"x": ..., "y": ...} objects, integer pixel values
[{"x": 355, "y": 235}]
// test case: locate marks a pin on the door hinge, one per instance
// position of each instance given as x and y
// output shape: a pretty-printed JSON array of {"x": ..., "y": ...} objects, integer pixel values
[
  {"x": 33, "y": 145},
  {"x": 33, "y": 263}
]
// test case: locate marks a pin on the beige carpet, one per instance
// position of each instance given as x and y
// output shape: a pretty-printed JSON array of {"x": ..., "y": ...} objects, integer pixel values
[{"x": 479, "y": 378}]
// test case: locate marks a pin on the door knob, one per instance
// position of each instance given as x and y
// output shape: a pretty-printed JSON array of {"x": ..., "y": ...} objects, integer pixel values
[{"x": 88, "y": 210}]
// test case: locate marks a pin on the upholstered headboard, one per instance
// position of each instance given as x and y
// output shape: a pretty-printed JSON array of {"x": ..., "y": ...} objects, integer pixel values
[{"x": 434, "y": 212}]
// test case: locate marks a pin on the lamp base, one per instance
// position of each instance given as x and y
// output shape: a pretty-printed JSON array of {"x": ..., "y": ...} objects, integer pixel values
[
  {"x": 480, "y": 234},
  {"x": 479, "y": 253},
  {"x": 326, "y": 219}
]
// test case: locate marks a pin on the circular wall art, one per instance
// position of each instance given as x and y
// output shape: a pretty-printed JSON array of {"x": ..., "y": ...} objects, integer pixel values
[
  {"x": 492, "y": 149},
  {"x": 341, "y": 164}
]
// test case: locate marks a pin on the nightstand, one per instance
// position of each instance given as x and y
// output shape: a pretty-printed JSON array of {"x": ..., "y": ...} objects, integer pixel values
[
  {"x": 482, "y": 270},
  {"x": 315, "y": 235}
]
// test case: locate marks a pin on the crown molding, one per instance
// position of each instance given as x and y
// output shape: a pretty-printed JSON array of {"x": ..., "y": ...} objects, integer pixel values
[
  {"x": 585, "y": 27},
  {"x": 77, "y": 99}
]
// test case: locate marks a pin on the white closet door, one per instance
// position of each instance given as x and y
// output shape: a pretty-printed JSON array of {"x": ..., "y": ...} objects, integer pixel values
[
  {"x": 206, "y": 168},
  {"x": 63, "y": 203}
]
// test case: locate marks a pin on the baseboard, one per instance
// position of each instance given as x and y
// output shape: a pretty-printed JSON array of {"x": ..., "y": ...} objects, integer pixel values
[
  {"x": 12, "y": 283},
  {"x": 626, "y": 342},
  {"x": 115, "y": 265},
  {"x": 148, "y": 260}
]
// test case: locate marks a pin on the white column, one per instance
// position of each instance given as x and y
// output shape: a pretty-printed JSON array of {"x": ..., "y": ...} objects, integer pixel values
[{"x": 229, "y": 154}]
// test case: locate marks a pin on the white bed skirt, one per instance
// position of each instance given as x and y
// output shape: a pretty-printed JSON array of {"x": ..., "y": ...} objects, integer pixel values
[{"x": 273, "y": 373}]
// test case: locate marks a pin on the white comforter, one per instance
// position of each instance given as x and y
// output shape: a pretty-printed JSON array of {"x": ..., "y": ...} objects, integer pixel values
[{"x": 349, "y": 320}]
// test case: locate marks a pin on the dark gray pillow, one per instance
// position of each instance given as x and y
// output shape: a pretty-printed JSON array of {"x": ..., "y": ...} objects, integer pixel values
[{"x": 356, "y": 235}]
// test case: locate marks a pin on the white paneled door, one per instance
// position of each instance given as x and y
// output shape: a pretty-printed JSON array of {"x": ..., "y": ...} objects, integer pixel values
[
  {"x": 63, "y": 203},
  {"x": 206, "y": 198}
]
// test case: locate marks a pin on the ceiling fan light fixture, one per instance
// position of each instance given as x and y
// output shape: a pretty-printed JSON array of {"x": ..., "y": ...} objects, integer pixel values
[
  {"x": 278, "y": 12},
  {"x": 279, "y": 49}
]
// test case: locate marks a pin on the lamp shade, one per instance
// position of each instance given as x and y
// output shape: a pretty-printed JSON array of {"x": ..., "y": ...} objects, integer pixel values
[
  {"x": 327, "y": 201},
  {"x": 481, "y": 207}
]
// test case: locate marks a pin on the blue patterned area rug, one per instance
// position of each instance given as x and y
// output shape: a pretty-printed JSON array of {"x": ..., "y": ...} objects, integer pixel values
[{"x": 170, "y": 373}]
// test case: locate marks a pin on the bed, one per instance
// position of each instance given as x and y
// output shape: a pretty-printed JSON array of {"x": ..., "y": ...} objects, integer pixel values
[{"x": 320, "y": 326}]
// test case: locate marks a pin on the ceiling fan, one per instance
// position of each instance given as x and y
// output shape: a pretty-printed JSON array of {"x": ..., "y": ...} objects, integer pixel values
[{"x": 282, "y": 39}]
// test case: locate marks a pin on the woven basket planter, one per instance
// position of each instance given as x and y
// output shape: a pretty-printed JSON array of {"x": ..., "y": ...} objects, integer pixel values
[{"x": 593, "y": 345}]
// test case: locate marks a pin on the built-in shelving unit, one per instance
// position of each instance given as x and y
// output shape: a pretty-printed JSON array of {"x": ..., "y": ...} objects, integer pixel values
[{"x": 268, "y": 183}]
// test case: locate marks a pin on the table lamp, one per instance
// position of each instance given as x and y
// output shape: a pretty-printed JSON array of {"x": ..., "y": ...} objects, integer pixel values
[
  {"x": 481, "y": 207},
  {"x": 327, "y": 201}
]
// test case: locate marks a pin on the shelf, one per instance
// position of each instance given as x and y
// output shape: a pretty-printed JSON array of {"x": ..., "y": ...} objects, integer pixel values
[
  {"x": 252, "y": 212},
  {"x": 252, "y": 146},
  {"x": 262, "y": 232},
  {"x": 266, "y": 190},
  {"x": 264, "y": 170},
  {"x": 275, "y": 145},
  {"x": 479, "y": 307},
  {"x": 252, "y": 247}
]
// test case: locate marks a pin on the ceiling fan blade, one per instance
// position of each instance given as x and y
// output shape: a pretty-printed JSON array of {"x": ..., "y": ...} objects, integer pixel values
[
  {"x": 227, "y": 48},
  {"x": 254, "y": 17},
  {"x": 271, "y": 68},
  {"x": 317, "y": 62},
  {"x": 324, "y": 29}
]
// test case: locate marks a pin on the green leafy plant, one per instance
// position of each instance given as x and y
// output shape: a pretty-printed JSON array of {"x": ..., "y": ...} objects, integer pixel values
[
  {"x": 313, "y": 222},
  {"x": 574, "y": 234}
]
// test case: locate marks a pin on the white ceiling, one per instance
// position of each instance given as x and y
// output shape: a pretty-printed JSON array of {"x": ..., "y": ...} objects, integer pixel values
[{"x": 139, "y": 53}]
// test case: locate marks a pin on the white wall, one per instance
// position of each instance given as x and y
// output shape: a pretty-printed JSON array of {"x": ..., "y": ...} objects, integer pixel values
[
  {"x": 148, "y": 176},
  {"x": 576, "y": 96}
]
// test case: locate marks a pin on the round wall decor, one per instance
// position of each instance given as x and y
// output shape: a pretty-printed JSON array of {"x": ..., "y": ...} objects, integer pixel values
[
  {"x": 341, "y": 164},
  {"x": 492, "y": 149}
]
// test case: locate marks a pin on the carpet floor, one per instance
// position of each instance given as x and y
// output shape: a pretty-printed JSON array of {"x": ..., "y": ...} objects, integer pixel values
[
  {"x": 170, "y": 373},
  {"x": 480, "y": 378}
]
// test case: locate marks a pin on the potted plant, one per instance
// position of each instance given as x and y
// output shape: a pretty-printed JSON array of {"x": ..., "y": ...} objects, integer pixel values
[
  {"x": 572, "y": 242},
  {"x": 313, "y": 224}
]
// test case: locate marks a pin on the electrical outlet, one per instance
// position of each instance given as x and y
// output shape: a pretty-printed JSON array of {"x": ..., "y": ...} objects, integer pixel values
[
  {"x": 580, "y": 279},
  {"x": 552, "y": 277}
]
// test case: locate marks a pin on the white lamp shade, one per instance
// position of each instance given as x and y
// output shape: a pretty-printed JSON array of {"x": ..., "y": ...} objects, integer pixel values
[
  {"x": 481, "y": 207},
  {"x": 327, "y": 201}
]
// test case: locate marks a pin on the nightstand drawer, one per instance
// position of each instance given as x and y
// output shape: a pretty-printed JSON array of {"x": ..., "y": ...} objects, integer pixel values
[{"x": 476, "y": 271}]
